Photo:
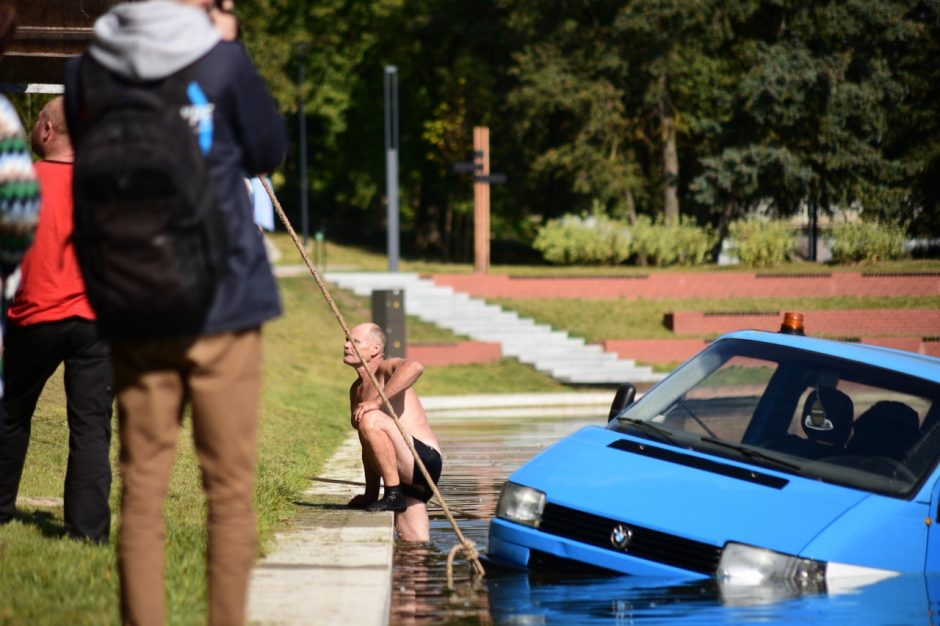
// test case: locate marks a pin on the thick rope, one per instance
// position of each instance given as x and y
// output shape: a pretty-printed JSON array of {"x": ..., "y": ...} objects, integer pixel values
[
  {"x": 467, "y": 545},
  {"x": 470, "y": 551}
]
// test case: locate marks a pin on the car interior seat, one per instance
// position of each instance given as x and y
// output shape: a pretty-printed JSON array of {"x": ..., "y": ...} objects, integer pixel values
[
  {"x": 827, "y": 418},
  {"x": 889, "y": 428}
]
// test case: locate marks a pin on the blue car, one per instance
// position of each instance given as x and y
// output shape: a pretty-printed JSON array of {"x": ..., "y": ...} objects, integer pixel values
[{"x": 766, "y": 457}]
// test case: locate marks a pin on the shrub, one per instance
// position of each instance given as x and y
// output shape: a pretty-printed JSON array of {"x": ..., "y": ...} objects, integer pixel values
[
  {"x": 761, "y": 243},
  {"x": 867, "y": 241},
  {"x": 684, "y": 243},
  {"x": 593, "y": 240}
]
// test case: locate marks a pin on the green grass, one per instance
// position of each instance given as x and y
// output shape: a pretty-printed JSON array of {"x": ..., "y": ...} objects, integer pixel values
[
  {"x": 597, "y": 320},
  {"x": 48, "y": 579},
  {"x": 345, "y": 257}
]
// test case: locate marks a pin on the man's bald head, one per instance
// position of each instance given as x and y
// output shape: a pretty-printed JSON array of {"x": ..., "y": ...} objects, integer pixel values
[
  {"x": 370, "y": 340},
  {"x": 51, "y": 133},
  {"x": 375, "y": 334}
]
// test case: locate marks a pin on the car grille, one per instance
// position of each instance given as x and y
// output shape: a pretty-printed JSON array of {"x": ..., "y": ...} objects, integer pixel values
[{"x": 646, "y": 544}]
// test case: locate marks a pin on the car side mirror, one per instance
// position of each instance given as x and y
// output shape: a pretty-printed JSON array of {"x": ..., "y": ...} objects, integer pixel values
[{"x": 624, "y": 397}]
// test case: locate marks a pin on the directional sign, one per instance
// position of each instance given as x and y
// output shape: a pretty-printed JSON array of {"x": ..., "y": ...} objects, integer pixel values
[
  {"x": 494, "y": 179},
  {"x": 467, "y": 166}
]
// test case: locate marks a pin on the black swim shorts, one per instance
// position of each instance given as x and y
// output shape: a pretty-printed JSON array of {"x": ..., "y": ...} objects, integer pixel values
[{"x": 432, "y": 460}]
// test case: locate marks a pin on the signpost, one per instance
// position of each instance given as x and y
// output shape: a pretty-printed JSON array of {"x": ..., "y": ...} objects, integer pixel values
[{"x": 482, "y": 179}]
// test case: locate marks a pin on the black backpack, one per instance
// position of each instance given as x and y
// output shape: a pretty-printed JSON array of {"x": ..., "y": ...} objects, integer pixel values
[{"x": 148, "y": 232}]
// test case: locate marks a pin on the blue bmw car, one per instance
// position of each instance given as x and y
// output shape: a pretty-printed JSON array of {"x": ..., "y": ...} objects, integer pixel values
[{"x": 766, "y": 457}]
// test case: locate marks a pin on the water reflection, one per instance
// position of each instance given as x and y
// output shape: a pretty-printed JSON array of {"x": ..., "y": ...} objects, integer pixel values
[
  {"x": 625, "y": 600},
  {"x": 479, "y": 458}
]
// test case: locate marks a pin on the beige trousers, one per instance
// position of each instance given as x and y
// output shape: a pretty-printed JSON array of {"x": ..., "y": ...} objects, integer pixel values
[{"x": 221, "y": 376}]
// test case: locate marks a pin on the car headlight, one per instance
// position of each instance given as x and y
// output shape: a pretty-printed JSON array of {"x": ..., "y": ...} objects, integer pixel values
[
  {"x": 522, "y": 505},
  {"x": 747, "y": 565}
]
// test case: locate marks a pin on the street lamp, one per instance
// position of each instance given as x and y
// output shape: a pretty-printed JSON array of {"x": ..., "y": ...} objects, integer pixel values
[{"x": 391, "y": 163}]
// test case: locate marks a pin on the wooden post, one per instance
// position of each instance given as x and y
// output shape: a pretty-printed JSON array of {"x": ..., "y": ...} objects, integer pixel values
[{"x": 481, "y": 201}]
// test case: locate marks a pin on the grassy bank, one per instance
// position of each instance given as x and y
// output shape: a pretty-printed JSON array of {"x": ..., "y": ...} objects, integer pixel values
[
  {"x": 597, "y": 320},
  {"x": 47, "y": 579}
]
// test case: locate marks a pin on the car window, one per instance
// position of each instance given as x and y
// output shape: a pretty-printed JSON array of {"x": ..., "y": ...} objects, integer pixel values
[
  {"x": 831, "y": 419},
  {"x": 723, "y": 404}
]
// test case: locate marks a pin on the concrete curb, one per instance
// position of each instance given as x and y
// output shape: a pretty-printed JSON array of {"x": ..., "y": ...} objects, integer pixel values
[
  {"x": 334, "y": 566},
  {"x": 518, "y": 405}
]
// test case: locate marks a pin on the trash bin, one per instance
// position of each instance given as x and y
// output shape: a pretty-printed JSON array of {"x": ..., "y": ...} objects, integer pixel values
[{"x": 388, "y": 311}]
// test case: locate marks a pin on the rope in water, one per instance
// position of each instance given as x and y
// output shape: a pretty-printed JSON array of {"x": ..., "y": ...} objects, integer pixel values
[{"x": 465, "y": 545}]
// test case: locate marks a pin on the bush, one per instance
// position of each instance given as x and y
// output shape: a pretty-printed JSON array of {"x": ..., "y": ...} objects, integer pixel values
[
  {"x": 594, "y": 240},
  {"x": 761, "y": 243},
  {"x": 667, "y": 244},
  {"x": 867, "y": 241}
]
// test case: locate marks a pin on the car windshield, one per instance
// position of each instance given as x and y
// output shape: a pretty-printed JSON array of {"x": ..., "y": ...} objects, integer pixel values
[{"x": 799, "y": 412}]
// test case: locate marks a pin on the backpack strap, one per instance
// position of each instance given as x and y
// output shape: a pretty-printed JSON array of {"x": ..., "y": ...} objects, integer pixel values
[{"x": 101, "y": 90}]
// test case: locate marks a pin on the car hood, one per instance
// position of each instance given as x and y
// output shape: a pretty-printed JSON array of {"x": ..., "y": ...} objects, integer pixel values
[{"x": 703, "y": 497}]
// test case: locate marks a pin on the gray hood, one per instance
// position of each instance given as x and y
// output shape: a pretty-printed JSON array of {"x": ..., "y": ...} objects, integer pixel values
[{"x": 151, "y": 40}]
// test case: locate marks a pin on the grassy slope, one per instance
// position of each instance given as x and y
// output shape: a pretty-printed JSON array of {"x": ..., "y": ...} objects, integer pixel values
[
  {"x": 46, "y": 579},
  {"x": 597, "y": 320}
]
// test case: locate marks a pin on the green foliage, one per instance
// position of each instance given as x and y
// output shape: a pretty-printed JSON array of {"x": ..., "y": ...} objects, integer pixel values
[
  {"x": 762, "y": 243},
  {"x": 867, "y": 241},
  {"x": 661, "y": 243},
  {"x": 594, "y": 240},
  {"x": 781, "y": 104}
]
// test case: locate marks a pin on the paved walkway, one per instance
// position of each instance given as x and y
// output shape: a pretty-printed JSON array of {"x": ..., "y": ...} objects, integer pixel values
[{"x": 334, "y": 566}]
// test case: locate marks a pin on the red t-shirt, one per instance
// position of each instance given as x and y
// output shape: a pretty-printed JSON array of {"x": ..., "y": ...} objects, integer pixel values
[{"x": 51, "y": 288}]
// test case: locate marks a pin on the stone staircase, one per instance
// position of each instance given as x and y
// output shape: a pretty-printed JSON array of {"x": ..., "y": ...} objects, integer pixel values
[{"x": 554, "y": 352}]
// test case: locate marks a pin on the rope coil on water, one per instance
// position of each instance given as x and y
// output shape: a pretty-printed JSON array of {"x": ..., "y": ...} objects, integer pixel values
[
  {"x": 465, "y": 545},
  {"x": 470, "y": 552}
]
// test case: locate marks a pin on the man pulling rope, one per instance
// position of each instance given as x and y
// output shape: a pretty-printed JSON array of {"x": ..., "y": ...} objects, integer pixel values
[{"x": 466, "y": 546}]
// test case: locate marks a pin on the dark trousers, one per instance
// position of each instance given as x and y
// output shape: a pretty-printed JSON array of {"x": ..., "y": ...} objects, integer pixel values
[{"x": 31, "y": 355}]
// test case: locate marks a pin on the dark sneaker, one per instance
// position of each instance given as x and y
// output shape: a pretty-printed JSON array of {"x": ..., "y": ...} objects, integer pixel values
[
  {"x": 360, "y": 502},
  {"x": 393, "y": 500}
]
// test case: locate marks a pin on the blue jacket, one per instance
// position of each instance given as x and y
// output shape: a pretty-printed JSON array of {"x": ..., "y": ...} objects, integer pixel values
[{"x": 245, "y": 136}]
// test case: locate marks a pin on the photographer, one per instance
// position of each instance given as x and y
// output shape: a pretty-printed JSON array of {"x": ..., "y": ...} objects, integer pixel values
[{"x": 142, "y": 45}]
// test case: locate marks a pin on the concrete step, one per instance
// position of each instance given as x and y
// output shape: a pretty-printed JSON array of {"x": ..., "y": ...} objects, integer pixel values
[{"x": 552, "y": 351}]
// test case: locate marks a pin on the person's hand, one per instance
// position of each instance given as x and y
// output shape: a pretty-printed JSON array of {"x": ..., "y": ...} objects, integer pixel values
[
  {"x": 361, "y": 501},
  {"x": 364, "y": 407}
]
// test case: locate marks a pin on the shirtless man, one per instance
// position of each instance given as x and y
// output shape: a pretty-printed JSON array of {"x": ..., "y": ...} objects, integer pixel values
[{"x": 385, "y": 454}]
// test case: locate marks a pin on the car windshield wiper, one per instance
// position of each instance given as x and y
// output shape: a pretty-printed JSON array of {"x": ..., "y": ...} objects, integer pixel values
[
  {"x": 755, "y": 455},
  {"x": 664, "y": 433}
]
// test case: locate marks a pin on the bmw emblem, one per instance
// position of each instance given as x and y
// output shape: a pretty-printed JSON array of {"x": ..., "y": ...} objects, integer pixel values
[{"x": 621, "y": 536}]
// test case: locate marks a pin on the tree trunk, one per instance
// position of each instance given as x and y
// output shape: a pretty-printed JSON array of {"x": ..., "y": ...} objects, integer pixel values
[
  {"x": 631, "y": 207},
  {"x": 667, "y": 118}
]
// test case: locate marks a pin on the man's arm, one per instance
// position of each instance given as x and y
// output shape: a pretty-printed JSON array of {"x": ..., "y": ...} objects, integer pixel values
[
  {"x": 353, "y": 403},
  {"x": 401, "y": 375}
]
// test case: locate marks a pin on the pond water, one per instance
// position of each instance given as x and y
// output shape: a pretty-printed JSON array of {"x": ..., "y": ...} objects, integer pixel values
[{"x": 480, "y": 455}]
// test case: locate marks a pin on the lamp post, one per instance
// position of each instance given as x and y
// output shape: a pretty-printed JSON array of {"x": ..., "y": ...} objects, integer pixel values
[
  {"x": 391, "y": 164},
  {"x": 304, "y": 50}
]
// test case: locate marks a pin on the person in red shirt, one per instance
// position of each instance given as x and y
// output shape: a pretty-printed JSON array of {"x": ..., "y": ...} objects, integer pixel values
[{"x": 51, "y": 322}]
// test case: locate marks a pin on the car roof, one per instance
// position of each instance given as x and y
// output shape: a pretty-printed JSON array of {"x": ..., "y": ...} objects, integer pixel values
[{"x": 919, "y": 365}]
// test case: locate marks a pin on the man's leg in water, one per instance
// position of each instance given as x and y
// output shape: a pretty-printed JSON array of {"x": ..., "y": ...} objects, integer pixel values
[
  {"x": 413, "y": 524},
  {"x": 384, "y": 446}
]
